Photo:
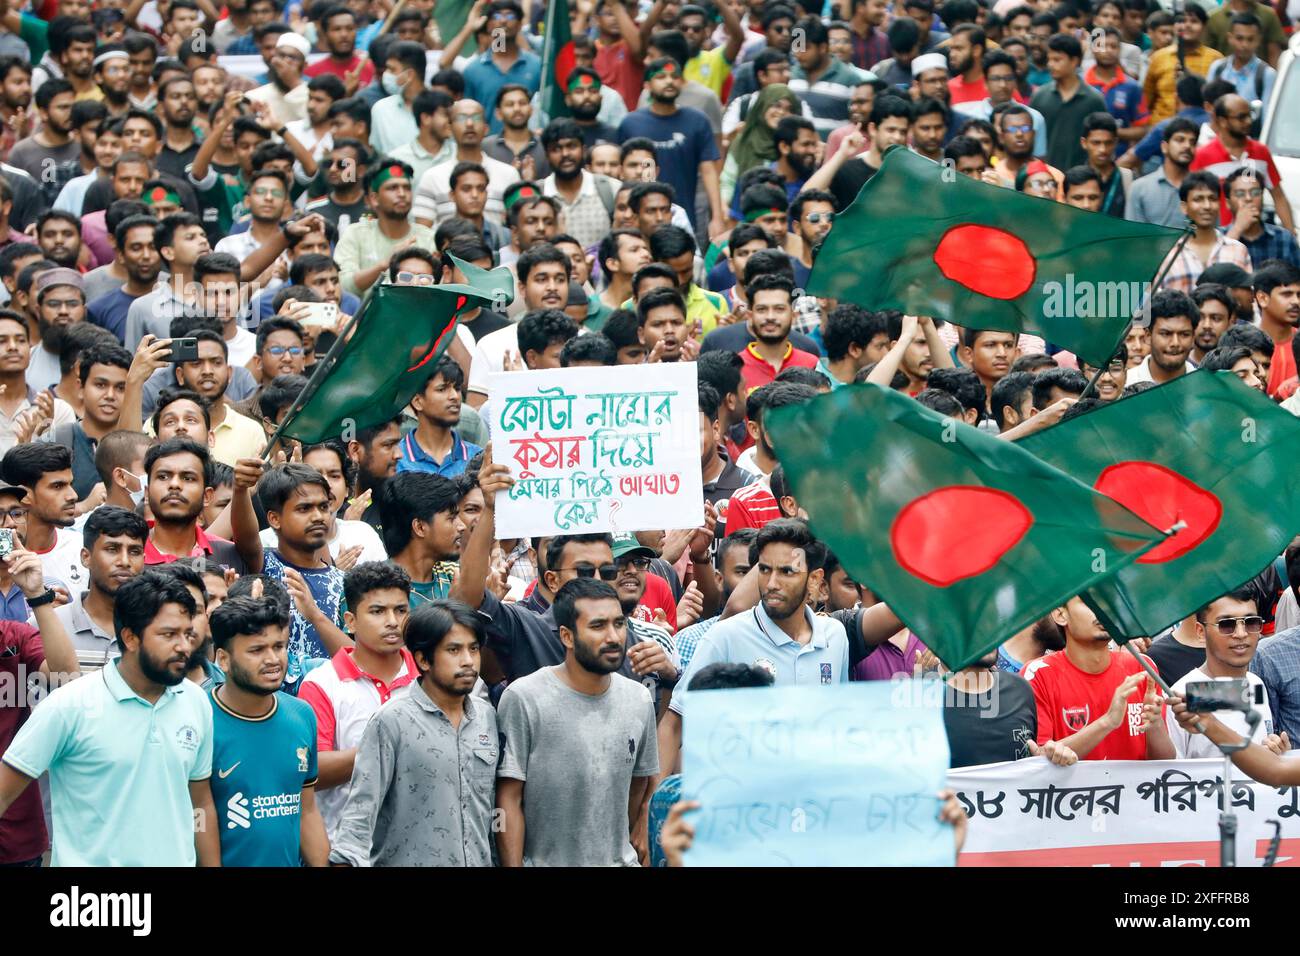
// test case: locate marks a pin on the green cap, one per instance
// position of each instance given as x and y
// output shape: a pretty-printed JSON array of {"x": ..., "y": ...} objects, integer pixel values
[{"x": 626, "y": 543}]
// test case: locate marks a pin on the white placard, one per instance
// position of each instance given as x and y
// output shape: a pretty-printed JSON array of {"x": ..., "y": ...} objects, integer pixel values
[{"x": 597, "y": 449}]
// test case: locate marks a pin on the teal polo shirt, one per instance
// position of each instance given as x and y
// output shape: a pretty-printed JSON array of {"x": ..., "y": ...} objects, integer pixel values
[
  {"x": 753, "y": 638},
  {"x": 120, "y": 769}
]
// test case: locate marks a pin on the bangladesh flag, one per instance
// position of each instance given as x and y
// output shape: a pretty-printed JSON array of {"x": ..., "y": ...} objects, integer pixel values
[
  {"x": 926, "y": 240},
  {"x": 1201, "y": 450},
  {"x": 558, "y": 58},
  {"x": 967, "y": 537},
  {"x": 399, "y": 334}
]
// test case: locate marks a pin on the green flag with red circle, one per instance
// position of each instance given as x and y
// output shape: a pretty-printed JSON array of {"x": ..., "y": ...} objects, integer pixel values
[
  {"x": 926, "y": 240},
  {"x": 558, "y": 58},
  {"x": 1201, "y": 451},
  {"x": 967, "y": 537}
]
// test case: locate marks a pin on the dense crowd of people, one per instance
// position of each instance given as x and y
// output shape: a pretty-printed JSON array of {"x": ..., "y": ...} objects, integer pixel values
[{"x": 222, "y": 646}]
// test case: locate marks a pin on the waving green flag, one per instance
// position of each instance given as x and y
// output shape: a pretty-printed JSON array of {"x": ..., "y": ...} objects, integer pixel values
[
  {"x": 967, "y": 537},
  {"x": 1201, "y": 450},
  {"x": 926, "y": 240},
  {"x": 397, "y": 338}
]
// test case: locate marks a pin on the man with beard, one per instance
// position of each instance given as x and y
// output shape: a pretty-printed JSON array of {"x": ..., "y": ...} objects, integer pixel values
[
  {"x": 427, "y": 757},
  {"x": 45, "y": 470},
  {"x": 116, "y": 800},
  {"x": 1016, "y": 138},
  {"x": 268, "y": 203},
  {"x": 929, "y": 128},
  {"x": 178, "y": 102},
  {"x": 263, "y": 743},
  {"x": 59, "y": 236},
  {"x": 286, "y": 93},
  {"x": 364, "y": 247},
  {"x": 423, "y": 531},
  {"x": 53, "y": 143},
  {"x": 75, "y": 55},
  {"x": 112, "y": 552},
  {"x": 337, "y": 33},
  {"x": 134, "y": 242},
  {"x": 1154, "y": 198},
  {"x": 685, "y": 147},
  {"x": 771, "y": 309},
  {"x": 1216, "y": 306},
  {"x": 15, "y": 101},
  {"x": 433, "y": 202},
  {"x": 178, "y": 475},
  {"x": 586, "y": 199},
  {"x": 86, "y": 119},
  {"x": 375, "y": 451},
  {"x": 209, "y": 89},
  {"x": 797, "y": 145},
  {"x": 18, "y": 402},
  {"x": 1263, "y": 240},
  {"x": 360, "y": 677},
  {"x": 552, "y": 817},
  {"x": 102, "y": 371},
  {"x": 1039, "y": 639},
  {"x": 966, "y": 53},
  {"x": 915, "y": 349},
  {"x": 583, "y": 97},
  {"x": 60, "y": 301},
  {"x": 435, "y": 446},
  {"x": 1174, "y": 317},
  {"x": 516, "y": 145},
  {"x": 296, "y": 499},
  {"x": 781, "y": 635},
  {"x": 1000, "y": 80},
  {"x": 1098, "y": 702}
]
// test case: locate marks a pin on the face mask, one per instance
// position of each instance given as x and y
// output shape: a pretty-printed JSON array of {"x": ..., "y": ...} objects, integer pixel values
[
  {"x": 137, "y": 496},
  {"x": 391, "y": 86}
]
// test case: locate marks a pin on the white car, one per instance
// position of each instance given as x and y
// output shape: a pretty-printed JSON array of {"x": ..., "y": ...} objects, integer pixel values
[{"x": 1281, "y": 133}]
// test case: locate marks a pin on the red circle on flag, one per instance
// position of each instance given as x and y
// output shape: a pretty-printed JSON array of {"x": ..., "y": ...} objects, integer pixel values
[
  {"x": 1162, "y": 497},
  {"x": 957, "y": 532},
  {"x": 565, "y": 60},
  {"x": 433, "y": 347},
  {"x": 992, "y": 262}
]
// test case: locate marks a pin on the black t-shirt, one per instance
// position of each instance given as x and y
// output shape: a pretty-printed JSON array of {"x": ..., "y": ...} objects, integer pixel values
[
  {"x": 598, "y": 133},
  {"x": 990, "y": 727},
  {"x": 1174, "y": 659},
  {"x": 174, "y": 163},
  {"x": 485, "y": 323},
  {"x": 852, "y": 176},
  {"x": 733, "y": 338}
]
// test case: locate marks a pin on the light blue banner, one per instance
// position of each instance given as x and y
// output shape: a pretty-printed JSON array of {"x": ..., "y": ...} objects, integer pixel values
[{"x": 845, "y": 775}]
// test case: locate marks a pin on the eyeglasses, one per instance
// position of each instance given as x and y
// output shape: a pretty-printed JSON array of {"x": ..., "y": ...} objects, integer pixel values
[
  {"x": 607, "y": 572},
  {"x": 463, "y": 118},
  {"x": 14, "y": 514},
  {"x": 416, "y": 278},
  {"x": 641, "y": 562},
  {"x": 1008, "y": 78},
  {"x": 1027, "y": 128},
  {"x": 816, "y": 217},
  {"x": 1248, "y": 193},
  {"x": 61, "y": 303},
  {"x": 279, "y": 350},
  {"x": 269, "y": 191},
  {"x": 1228, "y": 625}
]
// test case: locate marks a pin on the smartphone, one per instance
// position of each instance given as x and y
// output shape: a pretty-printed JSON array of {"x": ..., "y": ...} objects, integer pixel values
[
  {"x": 322, "y": 314},
  {"x": 185, "y": 350},
  {"x": 1205, "y": 697},
  {"x": 6, "y": 542}
]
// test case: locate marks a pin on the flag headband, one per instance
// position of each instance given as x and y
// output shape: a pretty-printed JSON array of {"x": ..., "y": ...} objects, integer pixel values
[
  {"x": 384, "y": 175},
  {"x": 160, "y": 194},
  {"x": 523, "y": 192},
  {"x": 760, "y": 213},
  {"x": 652, "y": 72},
  {"x": 582, "y": 80}
]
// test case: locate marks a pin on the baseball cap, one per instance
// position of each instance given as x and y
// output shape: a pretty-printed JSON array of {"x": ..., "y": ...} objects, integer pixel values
[
  {"x": 17, "y": 491},
  {"x": 626, "y": 543}
]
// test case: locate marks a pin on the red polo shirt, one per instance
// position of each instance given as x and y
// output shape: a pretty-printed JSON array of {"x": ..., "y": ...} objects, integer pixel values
[
  {"x": 959, "y": 91},
  {"x": 758, "y": 371},
  {"x": 219, "y": 550},
  {"x": 22, "y": 829}
]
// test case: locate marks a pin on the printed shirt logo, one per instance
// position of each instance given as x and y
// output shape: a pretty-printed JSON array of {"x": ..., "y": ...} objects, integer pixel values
[
  {"x": 302, "y": 759},
  {"x": 188, "y": 738},
  {"x": 237, "y": 814},
  {"x": 764, "y": 664},
  {"x": 1134, "y": 720},
  {"x": 1076, "y": 718},
  {"x": 223, "y": 774},
  {"x": 826, "y": 673}
]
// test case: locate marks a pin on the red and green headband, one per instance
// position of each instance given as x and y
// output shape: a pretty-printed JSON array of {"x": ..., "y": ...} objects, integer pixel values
[
  {"x": 755, "y": 214},
  {"x": 393, "y": 171},
  {"x": 582, "y": 81},
  {"x": 160, "y": 194},
  {"x": 523, "y": 192},
  {"x": 651, "y": 72}
]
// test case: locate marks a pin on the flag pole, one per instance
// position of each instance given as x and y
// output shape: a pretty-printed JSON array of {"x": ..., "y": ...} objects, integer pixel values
[
  {"x": 1155, "y": 284},
  {"x": 322, "y": 368}
]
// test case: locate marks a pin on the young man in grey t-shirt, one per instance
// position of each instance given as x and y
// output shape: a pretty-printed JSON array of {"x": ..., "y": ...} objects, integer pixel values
[{"x": 580, "y": 739}]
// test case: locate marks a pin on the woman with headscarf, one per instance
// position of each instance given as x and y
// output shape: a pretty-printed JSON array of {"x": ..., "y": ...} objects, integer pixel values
[{"x": 756, "y": 145}]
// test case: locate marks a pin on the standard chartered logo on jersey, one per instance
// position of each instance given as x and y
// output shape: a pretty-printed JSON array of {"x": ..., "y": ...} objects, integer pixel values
[{"x": 241, "y": 812}]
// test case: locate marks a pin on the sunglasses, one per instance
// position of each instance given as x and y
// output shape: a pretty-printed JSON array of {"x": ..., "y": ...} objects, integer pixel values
[
  {"x": 279, "y": 350},
  {"x": 816, "y": 217},
  {"x": 1018, "y": 129},
  {"x": 268, "y": 191},
  {"x": 1228, "y": 625},
  {"x": 413, "y": 278},
  {"x": 607, "y": 572},
  {"x": 640, "y": 562}
]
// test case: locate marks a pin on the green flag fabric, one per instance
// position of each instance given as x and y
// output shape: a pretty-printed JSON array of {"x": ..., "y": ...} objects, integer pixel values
[
  {"x": 1204, "y": 450},
  {"x": 926, "y": 240},
  {"x": 400, "y": 333},
  {"x": 558, "y": 58},
  {"x": 967, "y": 537}
]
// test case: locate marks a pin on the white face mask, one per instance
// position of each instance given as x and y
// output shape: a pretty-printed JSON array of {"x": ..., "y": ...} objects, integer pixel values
[{"x": 136, "y": 496}]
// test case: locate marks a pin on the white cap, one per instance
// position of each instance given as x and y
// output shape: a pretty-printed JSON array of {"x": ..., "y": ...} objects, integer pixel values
[
  {"x": 929, "y": 61},
  {"x": 294, "y": 42}
]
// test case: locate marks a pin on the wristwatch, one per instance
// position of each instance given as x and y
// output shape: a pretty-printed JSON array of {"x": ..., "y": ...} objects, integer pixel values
[
  {"x": 42, "y": 600},
  {"x": 281, "y": 131}
]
